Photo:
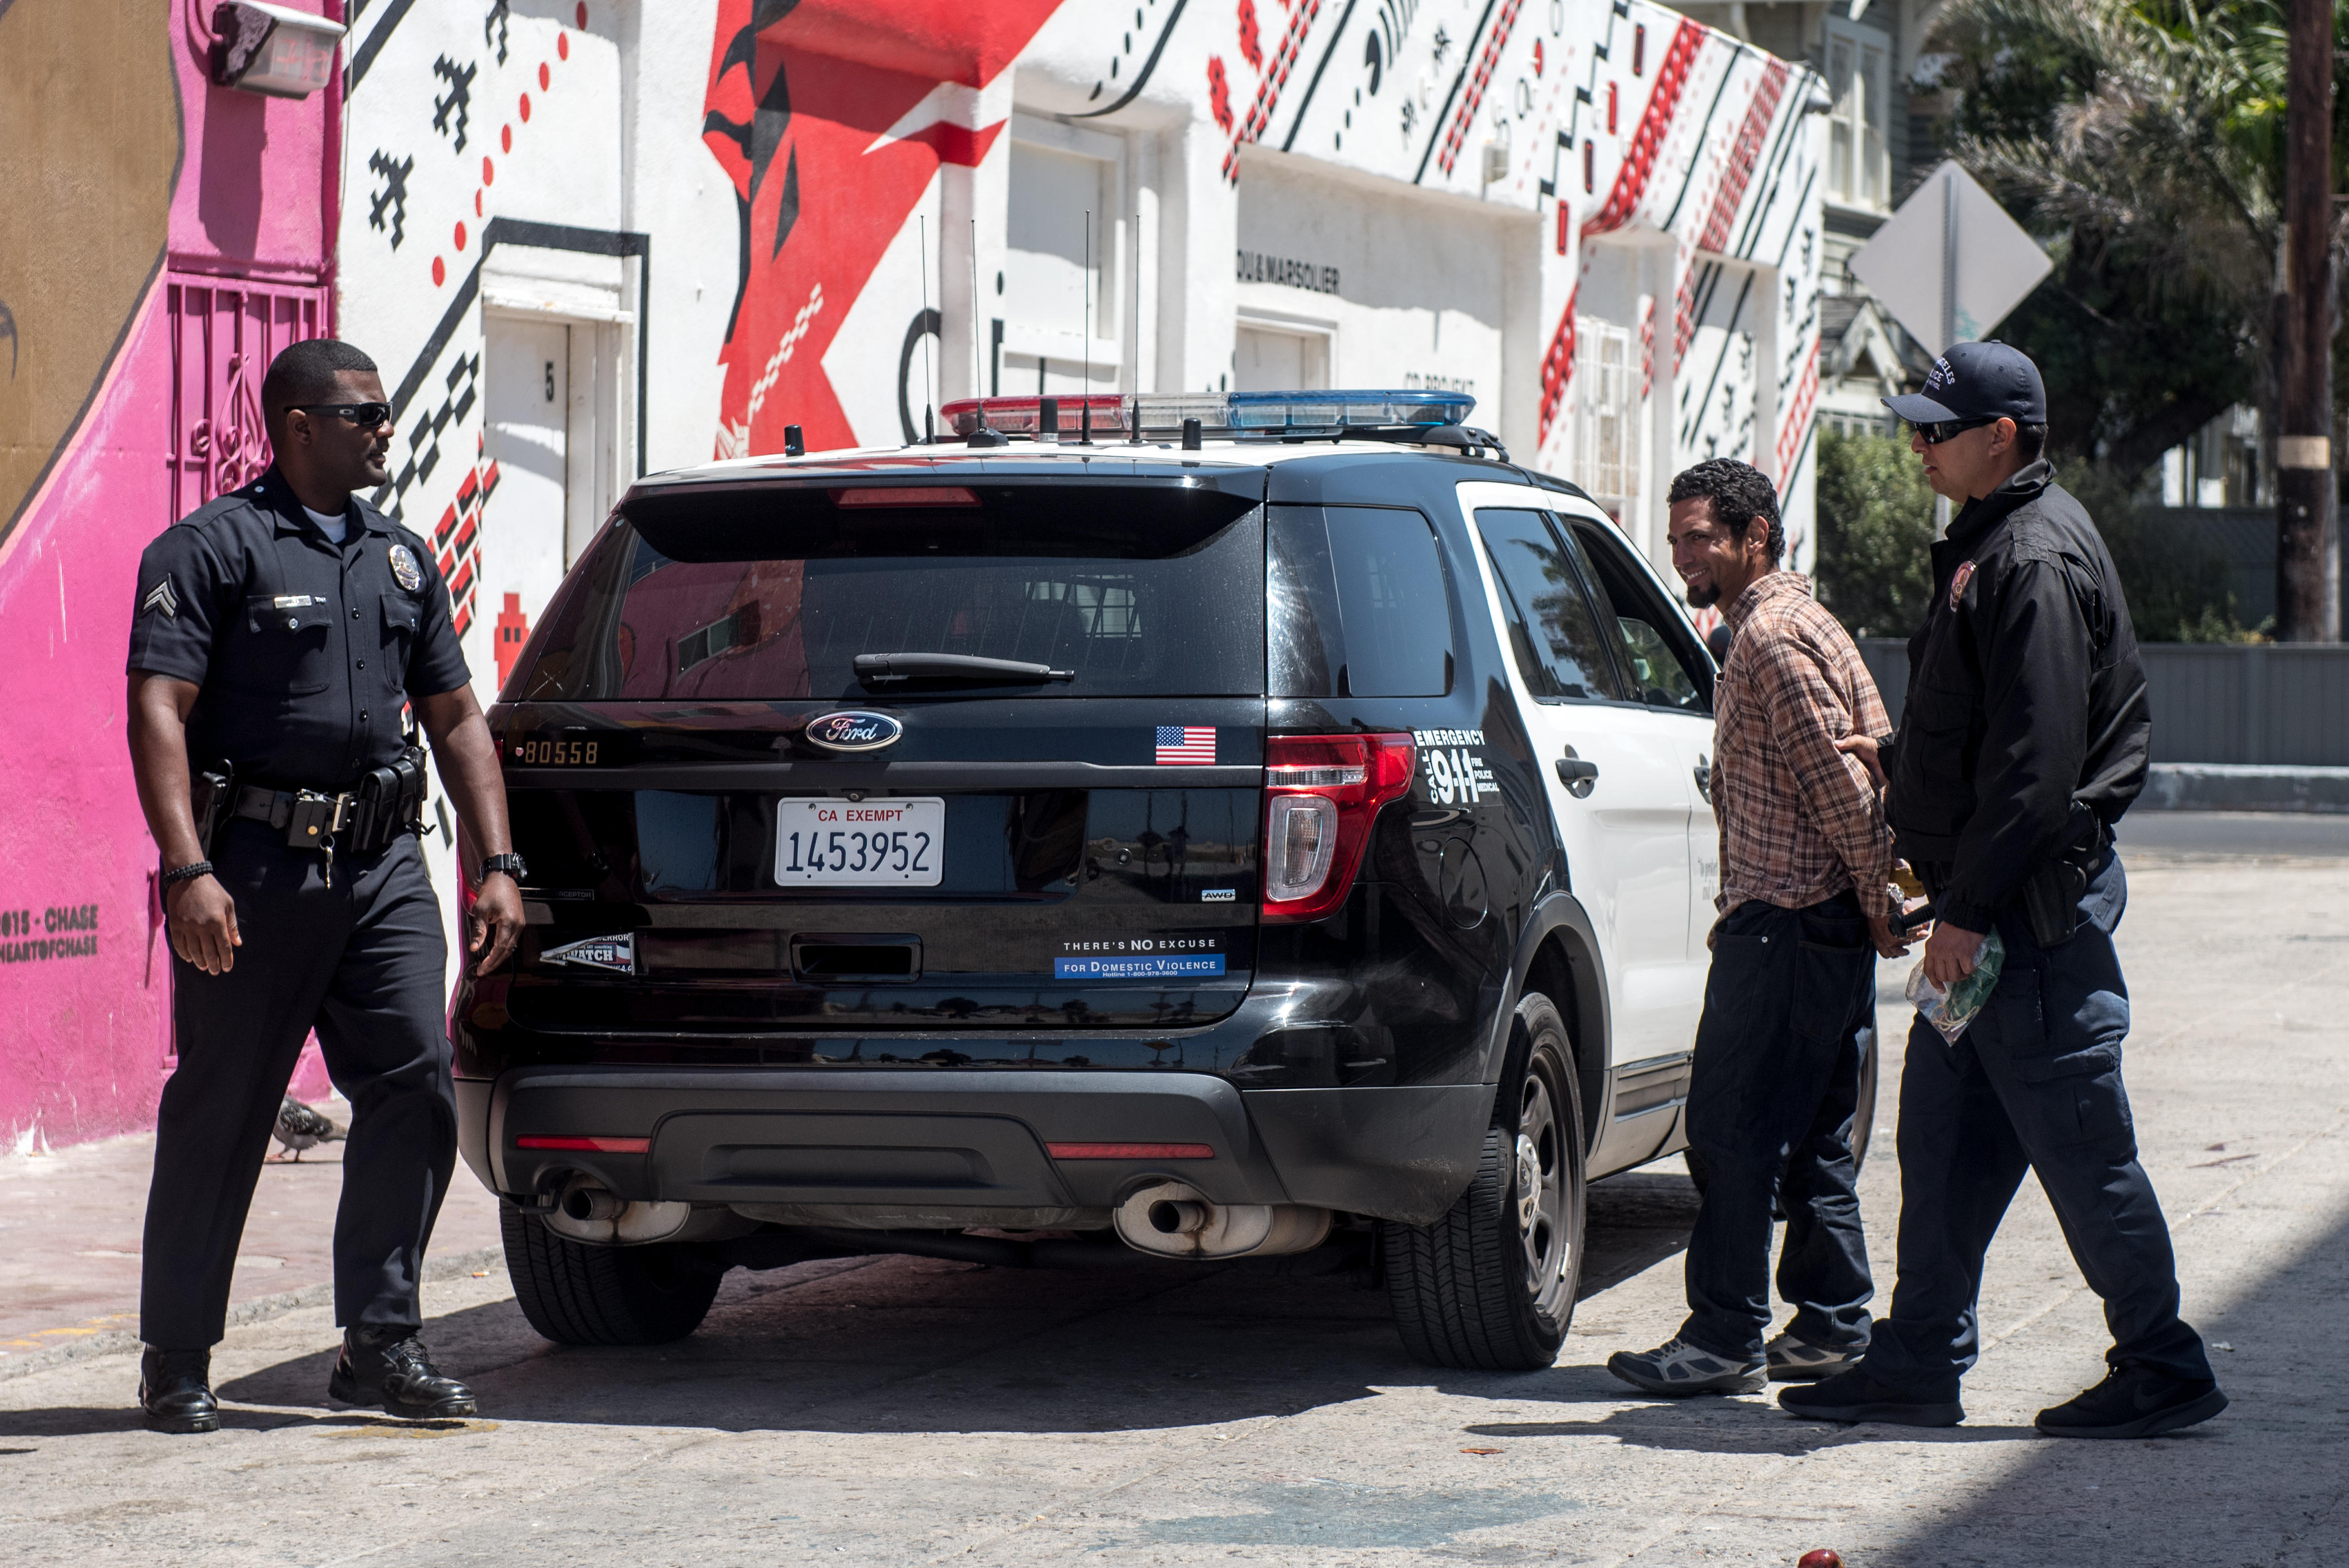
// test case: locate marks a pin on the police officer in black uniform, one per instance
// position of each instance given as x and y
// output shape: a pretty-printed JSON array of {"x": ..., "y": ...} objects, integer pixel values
[
  {"x": 2025, "y": 738},
  {"x": 278, "y": 632}
]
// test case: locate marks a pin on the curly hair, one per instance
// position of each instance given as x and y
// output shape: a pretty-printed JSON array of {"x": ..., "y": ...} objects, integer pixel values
[{"x": 1739, "y": 493}]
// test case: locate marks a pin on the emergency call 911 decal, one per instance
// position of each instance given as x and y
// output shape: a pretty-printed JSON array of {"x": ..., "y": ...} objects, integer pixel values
[
  {"x": 1186, "y": 955},
  {"x": 1452, "y": 761}
]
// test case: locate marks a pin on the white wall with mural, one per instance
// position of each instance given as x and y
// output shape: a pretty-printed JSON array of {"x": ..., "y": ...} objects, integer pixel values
[{"x": 586, "y": 239}]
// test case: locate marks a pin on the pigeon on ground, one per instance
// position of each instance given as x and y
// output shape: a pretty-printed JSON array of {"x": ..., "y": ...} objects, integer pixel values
[{"x": 299, "y": 1128}]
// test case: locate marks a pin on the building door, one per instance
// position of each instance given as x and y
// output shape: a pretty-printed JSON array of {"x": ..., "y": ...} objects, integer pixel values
[
  {"x": 527, "y": 366},
  {"x": 1278, "y": 359}
]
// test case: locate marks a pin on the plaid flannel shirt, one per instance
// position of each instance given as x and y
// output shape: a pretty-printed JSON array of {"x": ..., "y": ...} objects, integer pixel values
[{"x": 1799, "y": 820}]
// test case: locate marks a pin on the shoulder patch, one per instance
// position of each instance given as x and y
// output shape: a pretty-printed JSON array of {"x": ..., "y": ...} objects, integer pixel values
[
  {"x": 404, "y": 570},
  {"x": 1965, "y": 574},
  {"x": 161, "y": 600}
]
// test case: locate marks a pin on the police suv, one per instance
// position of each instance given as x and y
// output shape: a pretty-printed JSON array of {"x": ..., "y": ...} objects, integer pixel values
[{"x": 1200, "y": 827}]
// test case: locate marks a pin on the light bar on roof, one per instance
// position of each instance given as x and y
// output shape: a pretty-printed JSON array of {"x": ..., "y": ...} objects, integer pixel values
[{"x": 1160, "y": 415}]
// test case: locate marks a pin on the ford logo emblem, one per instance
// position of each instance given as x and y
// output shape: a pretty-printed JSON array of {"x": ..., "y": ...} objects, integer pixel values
[{"x": 853, "y": 731}]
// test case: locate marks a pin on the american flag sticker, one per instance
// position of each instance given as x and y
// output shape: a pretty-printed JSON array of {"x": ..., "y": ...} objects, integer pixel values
[{"x": 1187, "y": 746}]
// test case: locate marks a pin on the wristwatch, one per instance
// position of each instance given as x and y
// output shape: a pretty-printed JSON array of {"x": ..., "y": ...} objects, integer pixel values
[{"x": 509, "y": 864}]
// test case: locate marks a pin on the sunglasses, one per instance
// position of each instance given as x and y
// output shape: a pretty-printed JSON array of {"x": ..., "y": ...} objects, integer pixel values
[
  {"x": 364, "y": 414},
  {"x": 1940, "y": 431}
]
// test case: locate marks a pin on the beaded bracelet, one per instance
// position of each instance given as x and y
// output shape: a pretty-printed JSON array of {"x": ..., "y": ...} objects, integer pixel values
[{"x": 188, "y": 872}]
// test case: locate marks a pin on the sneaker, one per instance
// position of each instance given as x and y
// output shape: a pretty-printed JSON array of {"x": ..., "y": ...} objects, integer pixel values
[
  {"x": 390, "y": 1367},
  {"x": 1676, "y": 1367},
  {"x": 1794, "y": 1360},
  {"x": 1854, "y": 1396},
  {"x": 2133, "y": 1401}
]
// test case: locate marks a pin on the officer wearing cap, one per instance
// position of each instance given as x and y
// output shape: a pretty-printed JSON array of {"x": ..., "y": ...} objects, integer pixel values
[
  {"x": 277, "y": 634},
  {"x": 2025, "y": 738}
]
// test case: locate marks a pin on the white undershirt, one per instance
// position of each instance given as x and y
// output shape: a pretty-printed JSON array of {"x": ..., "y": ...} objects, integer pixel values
[{"x": 333, "y": 525}]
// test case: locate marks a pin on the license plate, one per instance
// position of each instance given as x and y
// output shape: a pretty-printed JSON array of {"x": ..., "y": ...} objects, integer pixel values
[{"x": 860, "y": 844}]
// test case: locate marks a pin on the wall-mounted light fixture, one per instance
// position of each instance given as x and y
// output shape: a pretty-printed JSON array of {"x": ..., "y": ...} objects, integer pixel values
[{"x": 272, "y": 49}]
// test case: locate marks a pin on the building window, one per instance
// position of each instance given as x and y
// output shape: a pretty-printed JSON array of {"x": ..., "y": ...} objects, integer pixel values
[
  {"x": 1066, "y": 250},
  {"x": 1860, "y": 170},
  {"x": 1607, "y": 414}
]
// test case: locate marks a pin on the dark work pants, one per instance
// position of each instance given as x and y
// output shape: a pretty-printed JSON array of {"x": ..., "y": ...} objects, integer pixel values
[
  {"x": 362, "y": 962},
  {"x": 1775, "y": 1081},
  {"x": 2034, "y": 1083}
]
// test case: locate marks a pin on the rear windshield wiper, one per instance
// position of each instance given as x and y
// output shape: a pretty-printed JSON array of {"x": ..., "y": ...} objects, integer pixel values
[{"x": 880, "y": 669}]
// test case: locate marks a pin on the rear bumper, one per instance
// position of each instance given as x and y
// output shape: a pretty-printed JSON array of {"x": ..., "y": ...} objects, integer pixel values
[{"x": 903, "y": 1141}]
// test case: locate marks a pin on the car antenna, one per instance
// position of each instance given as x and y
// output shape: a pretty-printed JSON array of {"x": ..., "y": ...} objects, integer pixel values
[
  {"x": 982, "y": 437},
  {"x": 929, "y": 403},
  {"x": 1133, "y": 332},
  {"x": 1085, "y": 333}
]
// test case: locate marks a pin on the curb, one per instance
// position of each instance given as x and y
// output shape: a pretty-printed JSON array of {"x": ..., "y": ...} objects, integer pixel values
[
  {"x": 2244, "y": 786},
  {"x": 458, "y": 1265}
]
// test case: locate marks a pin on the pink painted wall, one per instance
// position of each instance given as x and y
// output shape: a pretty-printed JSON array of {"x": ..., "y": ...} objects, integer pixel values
[{"x": 84, "y": 1035}]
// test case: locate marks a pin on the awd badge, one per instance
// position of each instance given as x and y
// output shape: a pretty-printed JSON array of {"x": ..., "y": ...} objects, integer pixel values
[
  {"x": 614, "y": 954},
  {"x": 404, "y": 570}
]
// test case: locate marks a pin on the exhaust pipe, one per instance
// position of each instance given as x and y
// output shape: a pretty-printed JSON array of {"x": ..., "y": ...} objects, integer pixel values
[
  {"x": 1175, "y": 1220},
  {"x": 583, "y": 1203},
  {"x": 587, "y": 1211}
]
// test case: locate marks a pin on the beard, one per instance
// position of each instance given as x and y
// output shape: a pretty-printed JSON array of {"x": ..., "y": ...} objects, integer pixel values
[{"x": 1705, "y": 598}]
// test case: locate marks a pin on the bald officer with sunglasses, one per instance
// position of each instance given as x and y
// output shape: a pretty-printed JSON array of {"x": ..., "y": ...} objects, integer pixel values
[
  {"x": 2025, "y": 737},
  {"x": 276, "y": 636}
]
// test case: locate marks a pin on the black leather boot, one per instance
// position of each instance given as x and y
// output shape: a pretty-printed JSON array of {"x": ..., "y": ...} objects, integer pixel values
[
  {"x": 175, "y": 1391},
  {"x": 390, "y": 1367}
]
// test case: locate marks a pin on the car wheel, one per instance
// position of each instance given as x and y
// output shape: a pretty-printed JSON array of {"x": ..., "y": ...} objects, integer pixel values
[
  {"x": 1492, "y": 1283},
  {"x": 1863, "y": 1121},
  {"x": 575, "y": 1294}
]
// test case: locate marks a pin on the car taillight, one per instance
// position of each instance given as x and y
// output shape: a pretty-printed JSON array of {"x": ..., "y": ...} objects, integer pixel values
[{"x": 1321, "y": 794}]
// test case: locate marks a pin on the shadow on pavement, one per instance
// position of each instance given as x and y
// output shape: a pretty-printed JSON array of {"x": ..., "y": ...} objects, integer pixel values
[
  {"x": 2267, "y": 1481},
  {"x": 902, "y": 1344}
]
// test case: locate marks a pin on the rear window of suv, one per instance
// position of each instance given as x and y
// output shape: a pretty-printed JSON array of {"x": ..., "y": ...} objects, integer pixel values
[{"x": 1154, "y": 589}]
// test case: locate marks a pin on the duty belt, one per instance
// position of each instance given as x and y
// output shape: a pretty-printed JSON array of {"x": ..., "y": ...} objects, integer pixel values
[{"x": 357, "y": 821}]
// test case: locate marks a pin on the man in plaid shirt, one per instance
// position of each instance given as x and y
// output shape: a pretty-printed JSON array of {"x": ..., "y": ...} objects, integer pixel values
[{"x": 1806, "y": 861}]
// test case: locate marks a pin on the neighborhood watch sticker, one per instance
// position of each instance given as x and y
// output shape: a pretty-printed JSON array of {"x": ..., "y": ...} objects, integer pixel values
[
  {"x": 1189, "y": 956},
  {"x": 616, "y": 955}
]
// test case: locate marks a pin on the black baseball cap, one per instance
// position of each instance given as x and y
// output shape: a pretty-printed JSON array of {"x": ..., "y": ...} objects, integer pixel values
[{"x": 1977, "y": 381}]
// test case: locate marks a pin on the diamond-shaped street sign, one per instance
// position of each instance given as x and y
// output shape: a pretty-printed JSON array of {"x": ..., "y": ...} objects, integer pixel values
[{"x": 1949, "y": 263}]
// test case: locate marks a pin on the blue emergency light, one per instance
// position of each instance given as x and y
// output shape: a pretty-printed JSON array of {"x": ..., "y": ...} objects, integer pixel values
[{"x": 1156, "y": 416}]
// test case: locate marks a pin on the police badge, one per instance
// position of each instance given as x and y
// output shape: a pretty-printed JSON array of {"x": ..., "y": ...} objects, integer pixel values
[{"x": 404, "y": 570}]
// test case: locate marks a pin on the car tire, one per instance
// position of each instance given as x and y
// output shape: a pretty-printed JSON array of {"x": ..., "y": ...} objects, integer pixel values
[
  {"x": 575, "y": 1294},
  {"x": 1863, "y": 1121},
  {"x": 1490, "y": 1285}
]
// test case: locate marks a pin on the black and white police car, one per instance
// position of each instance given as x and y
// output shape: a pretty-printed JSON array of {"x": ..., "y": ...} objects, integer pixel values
[{"x": 1277, "y": 824}]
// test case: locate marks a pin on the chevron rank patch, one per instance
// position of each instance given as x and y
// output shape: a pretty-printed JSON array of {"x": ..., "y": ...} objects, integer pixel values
[{"x": 161, "y": 597}]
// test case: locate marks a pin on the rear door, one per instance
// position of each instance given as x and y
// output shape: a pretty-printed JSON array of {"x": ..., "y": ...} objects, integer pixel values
[
  {"x": 1670, "y": 675},
  {"x": 1623, "y": 802},
  {"x": 979, "y": 851}
]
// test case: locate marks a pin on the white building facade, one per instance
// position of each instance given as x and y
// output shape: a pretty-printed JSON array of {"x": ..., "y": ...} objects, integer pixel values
[{"x": 588, "y": 239}]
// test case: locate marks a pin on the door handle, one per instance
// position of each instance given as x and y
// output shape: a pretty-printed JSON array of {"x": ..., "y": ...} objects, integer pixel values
[
  {"x": 1703, "y": 771},
  {"x": 1578, "y": 777}
]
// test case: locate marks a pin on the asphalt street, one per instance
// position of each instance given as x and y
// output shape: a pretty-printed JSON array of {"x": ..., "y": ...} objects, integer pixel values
[{"x": 905, "y": 1410}]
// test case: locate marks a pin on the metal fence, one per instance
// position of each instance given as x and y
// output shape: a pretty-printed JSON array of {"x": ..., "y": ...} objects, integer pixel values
[{"x": 2263, "y": 703}]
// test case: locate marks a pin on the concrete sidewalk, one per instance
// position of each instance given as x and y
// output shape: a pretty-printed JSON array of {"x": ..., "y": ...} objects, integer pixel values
[{"x": 71, "y": 1222}]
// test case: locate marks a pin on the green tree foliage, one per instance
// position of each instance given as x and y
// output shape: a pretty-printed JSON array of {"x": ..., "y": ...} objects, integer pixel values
[
  {"x": 2174, "y": 578},
  {"x": 1876, "y": 540},
  {"x": 1876, "y": 533},
  {"x": 2143, "y": 141}
]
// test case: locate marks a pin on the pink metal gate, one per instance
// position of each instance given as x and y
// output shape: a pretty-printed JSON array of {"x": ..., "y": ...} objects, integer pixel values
[{"x": 224, "y": 331}]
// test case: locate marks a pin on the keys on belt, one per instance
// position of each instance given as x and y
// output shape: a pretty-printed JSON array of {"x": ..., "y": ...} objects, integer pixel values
[{"x": 310, "y": 820}]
